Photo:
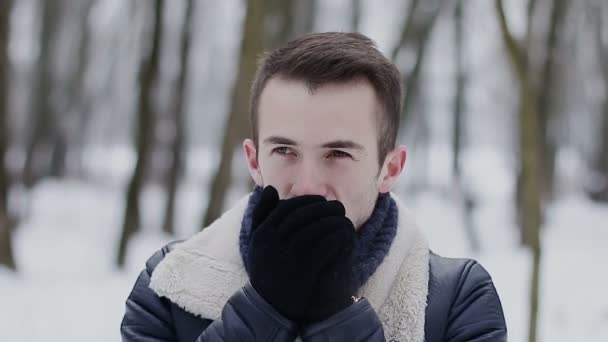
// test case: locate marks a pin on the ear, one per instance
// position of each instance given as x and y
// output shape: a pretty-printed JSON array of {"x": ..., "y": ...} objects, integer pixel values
[
  {"x": 392, "y": 168},
  {"x": 251, "y": 156}
]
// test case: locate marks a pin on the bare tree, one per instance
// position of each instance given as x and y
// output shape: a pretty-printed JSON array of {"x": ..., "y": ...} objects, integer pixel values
[
  {"x": 79, "y": 101},
  {"x": 303, "y": 16},
  {"x": 546, "y": 92},
  {"x": 530, "y": 173},
  {"x": 6, "y": 250},
  {"x": 279, "y": 22},
  {"x": 414, "y": 38},
  {"x": 357, "y": 11},
  {"x": 47, "y": 146},
  {"x": 535, "y": 82},
  {"x": 148, "y": 75},
  {"x": 597, "y": 11},
  {"x": 178, "y": 113},
  {"x": 530, "y": 178},
  {"x": 286, "y": 19},
  {"x": 236, "y": 125},
  {"x": 459, "y": 98},
  {"x": 466, "y": 199}
]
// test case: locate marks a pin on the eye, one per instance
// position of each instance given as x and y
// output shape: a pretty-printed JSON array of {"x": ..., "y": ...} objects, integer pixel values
[
  {"x": 282, "y": 150},
  {"x": 339, "y": 154}
]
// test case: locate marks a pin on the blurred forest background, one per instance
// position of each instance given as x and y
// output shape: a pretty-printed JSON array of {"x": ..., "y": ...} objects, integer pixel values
[{"x": 143, "y": 106}]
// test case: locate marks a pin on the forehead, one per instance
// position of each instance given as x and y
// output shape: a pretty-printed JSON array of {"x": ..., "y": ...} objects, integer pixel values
[{"x": 332, "y": 111}]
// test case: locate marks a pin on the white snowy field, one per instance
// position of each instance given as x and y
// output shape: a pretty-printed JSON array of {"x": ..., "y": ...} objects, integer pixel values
[{"x": 67, "y": 288}]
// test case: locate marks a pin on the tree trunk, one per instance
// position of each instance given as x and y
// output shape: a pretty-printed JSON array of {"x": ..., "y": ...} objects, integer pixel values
[
  {"x": 415, "y": 36},
  {"x": 467, "y": 202},
  {"x": 40, "y": 148},
  {"x": 530, "y": 178},
  {"x": 546, "y": 91},
  {"x": 251, "y": 47},
  {"x": 459, "y": 98},
  {"x": 600, "y": 194},
  {"x": 285, "y": 20},
  {"x": 148, "y": 75},
  {"x": 178, "y": 112},
  {"x": 531, "y": 181},
  {"x": 6, "y": 250},
  {"x": 304, "y": 18},
  {"x": 601, "y": 162},
  {"x": 357, "y": 10},
  {"x": 278, "y": 22},
  {"x": 79, "y": 104},
  {"x": 414, "y": 39}
]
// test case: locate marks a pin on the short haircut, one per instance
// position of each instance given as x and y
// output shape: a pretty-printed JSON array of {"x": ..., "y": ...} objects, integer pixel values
[{"x": 335, "y": 57}]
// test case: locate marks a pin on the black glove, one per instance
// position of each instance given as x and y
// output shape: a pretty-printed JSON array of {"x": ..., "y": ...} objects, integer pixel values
[{"x": 301, "y": 255}]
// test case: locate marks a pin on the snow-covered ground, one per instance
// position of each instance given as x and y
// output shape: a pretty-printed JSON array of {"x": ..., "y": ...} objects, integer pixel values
[{"x": 67, "y": 288}]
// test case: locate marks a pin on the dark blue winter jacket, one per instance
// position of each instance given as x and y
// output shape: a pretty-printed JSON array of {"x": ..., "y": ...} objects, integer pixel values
[{"x": 462, "y": 305}]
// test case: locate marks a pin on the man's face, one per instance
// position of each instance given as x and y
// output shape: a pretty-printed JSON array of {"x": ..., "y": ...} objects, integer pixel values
[{"x": 322, "y": 143}]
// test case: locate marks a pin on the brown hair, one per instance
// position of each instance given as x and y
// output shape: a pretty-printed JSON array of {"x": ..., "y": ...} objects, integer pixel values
[{"x": 321, "y": 58}]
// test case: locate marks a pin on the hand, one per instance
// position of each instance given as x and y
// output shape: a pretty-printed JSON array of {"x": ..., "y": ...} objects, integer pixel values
[{"x": 301, "y": 255}]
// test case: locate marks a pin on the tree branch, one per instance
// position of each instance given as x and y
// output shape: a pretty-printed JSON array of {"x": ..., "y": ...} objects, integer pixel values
[
  {"x": 407, "y": 28},
  {"x": 516, "y": 54}
]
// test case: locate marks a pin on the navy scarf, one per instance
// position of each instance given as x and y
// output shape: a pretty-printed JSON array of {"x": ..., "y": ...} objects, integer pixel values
[{"x": 374, "y": 238}]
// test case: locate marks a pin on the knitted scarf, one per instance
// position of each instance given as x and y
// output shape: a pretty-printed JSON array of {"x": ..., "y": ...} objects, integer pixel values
[{"x": 374, "y": 238}]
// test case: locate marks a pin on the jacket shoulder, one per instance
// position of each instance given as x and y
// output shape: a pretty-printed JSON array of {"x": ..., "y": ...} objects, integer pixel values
[
  {"x": 159, "y": 255},
  {"x": 462, "y": 301},
  {"x": 455, "y": 272}
]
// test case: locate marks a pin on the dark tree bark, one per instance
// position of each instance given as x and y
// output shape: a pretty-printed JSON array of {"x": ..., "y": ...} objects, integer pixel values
[
  {"x": 413, "y": 41},
  {"x": 357, "y": 10},
  {"x": 467, "y": 202},
  {"x": 178, "y": 113},
  {"x": 602, "y": 159},
  {"x": 148, "y": 74},
  {"x": 45, "y": 147},
  {"x": 546, "y": 91},
  {"x": 600, "y": 162},
  {"x": 602, "y": 49},
  {"x": 459, "y": 98},
  {"x": 79, "y": 105},
  {"x": 235, "y": 131},
  {"x": 6, "y": 250},
  {"x": 536, "y": 83},
  {"x": 600, "y": 194},
  {"x": 530, "y": 178},
  {"x": 415, "y": 37},
  {"x": 278, "y": 22},
  {"x": 285, "y": 20},
  {"x": 303, "y": 16}
]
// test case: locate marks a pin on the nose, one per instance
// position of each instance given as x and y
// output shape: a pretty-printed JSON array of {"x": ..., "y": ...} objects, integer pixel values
[{"x": 308, "y": 181}]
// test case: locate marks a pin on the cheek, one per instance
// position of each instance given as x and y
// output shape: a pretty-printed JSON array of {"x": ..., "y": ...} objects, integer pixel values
[
  {"x": 277, "y": 174},
  {"x": 351, "y": 175},
  {"x": 352, "y": 184},
  {"x": 357, "y": 189}
]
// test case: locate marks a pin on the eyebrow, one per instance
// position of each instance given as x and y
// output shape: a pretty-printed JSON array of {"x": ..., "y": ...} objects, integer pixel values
[
  {"x": 346, "y": 144},
  {"x": 279, "y": 141}
]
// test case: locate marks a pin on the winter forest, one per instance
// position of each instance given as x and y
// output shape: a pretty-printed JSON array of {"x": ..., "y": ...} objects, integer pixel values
[{"x": 121, "y": 125}]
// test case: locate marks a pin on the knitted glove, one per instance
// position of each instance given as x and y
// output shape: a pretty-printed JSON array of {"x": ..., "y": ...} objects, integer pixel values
[{"x": 301, "y": 255}]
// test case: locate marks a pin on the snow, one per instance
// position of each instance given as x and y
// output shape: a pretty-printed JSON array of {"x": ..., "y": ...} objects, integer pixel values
[{"x": 68, "y": 289}]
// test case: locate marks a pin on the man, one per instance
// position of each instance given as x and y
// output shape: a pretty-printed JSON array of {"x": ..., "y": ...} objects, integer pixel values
[{"x": 320, "y": 250}]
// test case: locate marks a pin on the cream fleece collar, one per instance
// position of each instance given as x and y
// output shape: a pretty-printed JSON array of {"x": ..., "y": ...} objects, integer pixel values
[{"x": 202, "y": 273}]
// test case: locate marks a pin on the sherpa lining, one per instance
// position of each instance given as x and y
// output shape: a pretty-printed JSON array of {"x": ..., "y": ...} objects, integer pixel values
[{"x": 202, "y": 273}]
